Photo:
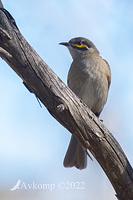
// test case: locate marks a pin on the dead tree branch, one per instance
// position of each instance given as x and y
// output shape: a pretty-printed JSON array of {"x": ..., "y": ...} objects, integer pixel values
[
  {"x": 1, "y": 5},
  {"x": 65, "y": 106}
]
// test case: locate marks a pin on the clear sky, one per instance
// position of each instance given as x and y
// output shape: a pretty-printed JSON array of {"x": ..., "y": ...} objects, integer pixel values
[{"x": 33, "y": 143}]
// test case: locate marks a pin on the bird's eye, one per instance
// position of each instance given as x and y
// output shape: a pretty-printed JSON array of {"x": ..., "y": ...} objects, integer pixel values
[
  {"x": 81, "y": 45},
  {"x": 78, "y": 44}
]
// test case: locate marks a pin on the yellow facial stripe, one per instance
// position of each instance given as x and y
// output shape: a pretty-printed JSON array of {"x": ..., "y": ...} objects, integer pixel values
[{"x": 81, "y": 45}]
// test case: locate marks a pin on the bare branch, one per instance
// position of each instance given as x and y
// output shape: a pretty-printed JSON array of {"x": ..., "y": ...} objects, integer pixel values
[
  {"x": 65, "y": 106},
  {"x": 1, "y": 5}
]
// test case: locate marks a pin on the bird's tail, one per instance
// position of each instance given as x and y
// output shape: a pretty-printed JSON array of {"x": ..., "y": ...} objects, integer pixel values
[{"x": 75, "y": 155}]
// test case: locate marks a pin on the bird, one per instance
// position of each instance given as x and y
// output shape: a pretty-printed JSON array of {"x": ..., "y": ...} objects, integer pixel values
[{"x": 89, "y": 77}]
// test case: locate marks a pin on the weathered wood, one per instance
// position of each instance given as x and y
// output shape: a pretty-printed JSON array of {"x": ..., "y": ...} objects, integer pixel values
[
  {"x": 65, "y": 106},
  {"x": 1, "y": 5}
]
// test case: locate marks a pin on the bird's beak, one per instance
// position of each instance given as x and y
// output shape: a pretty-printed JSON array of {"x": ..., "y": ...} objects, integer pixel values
[{"x": 64, "y": 43}]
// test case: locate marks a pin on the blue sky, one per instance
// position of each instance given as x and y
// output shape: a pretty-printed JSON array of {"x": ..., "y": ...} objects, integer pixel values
[{"x": 33, "y": 143}]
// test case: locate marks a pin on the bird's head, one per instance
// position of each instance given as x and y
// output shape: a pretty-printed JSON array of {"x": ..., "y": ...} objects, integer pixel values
[{"x": 80, "y": 46}]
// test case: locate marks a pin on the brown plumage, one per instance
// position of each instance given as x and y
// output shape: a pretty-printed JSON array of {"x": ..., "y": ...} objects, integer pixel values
[{"x": 89, "y": 78}]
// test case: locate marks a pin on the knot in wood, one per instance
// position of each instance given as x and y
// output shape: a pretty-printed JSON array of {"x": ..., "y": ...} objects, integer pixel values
[{"x": 60, "y": 108}]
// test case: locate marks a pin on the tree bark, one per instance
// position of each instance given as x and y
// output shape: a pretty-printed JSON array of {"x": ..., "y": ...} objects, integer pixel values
[
  {"x": 65, "y": 106},
  {"x": 1, "y": 5}
]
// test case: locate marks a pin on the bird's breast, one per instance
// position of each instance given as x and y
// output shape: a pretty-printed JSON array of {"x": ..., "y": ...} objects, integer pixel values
[{"x": 88, "y": 81}]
